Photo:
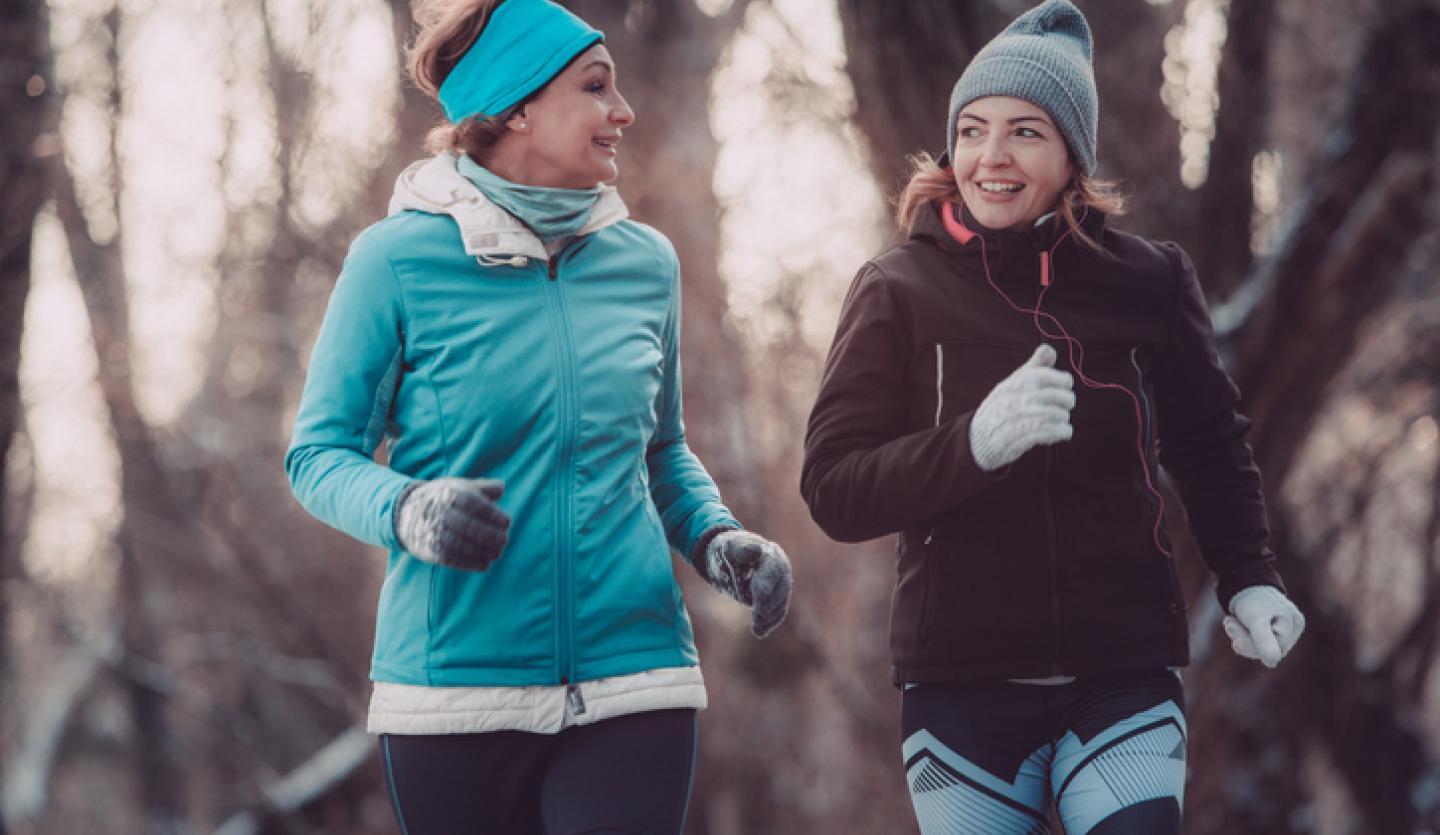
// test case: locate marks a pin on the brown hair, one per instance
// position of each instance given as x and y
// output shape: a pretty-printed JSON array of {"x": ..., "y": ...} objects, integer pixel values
[
  {"x": 447, "y": 29},
  {"x": 930, "y": 183}
]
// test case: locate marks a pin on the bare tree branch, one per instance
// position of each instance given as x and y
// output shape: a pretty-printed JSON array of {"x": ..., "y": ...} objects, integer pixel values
[
  {"x": 325, "y": 772},
  {"x": 26, "y": 790}
]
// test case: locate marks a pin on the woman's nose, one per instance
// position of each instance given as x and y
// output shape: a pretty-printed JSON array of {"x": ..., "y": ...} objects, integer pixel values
[
  {"x": 622, "y": 114},
  {"x": 995, "y": 151}
]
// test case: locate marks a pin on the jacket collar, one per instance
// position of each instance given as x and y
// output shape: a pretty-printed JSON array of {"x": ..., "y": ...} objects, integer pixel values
[
  {"x": 436, "y": 186},
  {"x": 953, "y": 228}
]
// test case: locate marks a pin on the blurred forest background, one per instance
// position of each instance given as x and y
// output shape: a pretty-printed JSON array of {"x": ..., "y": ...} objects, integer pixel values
[{"x": 183, "y": 650}]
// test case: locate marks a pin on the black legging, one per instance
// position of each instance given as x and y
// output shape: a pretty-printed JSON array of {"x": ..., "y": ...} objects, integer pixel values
[{"x": 629, "y": 775}]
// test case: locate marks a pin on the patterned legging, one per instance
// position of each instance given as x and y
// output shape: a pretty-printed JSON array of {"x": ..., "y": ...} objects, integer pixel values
[{"x": 989, "y": 759}]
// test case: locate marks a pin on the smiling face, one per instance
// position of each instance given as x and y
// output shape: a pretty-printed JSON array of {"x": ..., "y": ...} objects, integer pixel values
[
  {"x": 1010, "y": 162},
  {"x": 569, "y": 136}
]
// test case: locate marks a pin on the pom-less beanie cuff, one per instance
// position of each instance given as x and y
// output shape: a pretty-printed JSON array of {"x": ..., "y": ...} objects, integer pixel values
[{"x": 1043, "y": 57}]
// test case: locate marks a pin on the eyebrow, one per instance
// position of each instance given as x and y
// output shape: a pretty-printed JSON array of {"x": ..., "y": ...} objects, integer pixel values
[
  {"x": 1018, "y": 119},
  {"x": 600, "y": 62}
]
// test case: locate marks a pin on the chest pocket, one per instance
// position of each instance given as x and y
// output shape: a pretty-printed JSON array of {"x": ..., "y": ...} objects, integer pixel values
[
  {"x": 1119, "y": 412},
  {"x": 952, "y": 377}
]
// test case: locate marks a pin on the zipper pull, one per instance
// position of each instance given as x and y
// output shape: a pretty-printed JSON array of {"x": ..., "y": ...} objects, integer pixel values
[
  {"x": 577, "y": 702},
  {"x": 1044, "y": 268}
]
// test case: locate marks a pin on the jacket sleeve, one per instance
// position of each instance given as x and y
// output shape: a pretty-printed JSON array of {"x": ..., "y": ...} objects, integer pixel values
[
  {"x": 353, "y": 373},
  {"x": 1202, "y": 443},
  {"x": 863, "y": 476},
  {"x": 685, "y": 496}
]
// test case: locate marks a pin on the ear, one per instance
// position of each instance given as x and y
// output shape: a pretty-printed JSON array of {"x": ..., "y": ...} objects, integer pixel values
[{"x": 518, "y": 122}]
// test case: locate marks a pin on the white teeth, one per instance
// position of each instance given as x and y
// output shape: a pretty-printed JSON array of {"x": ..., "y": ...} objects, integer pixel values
[{"x": 1001, "y": 188}]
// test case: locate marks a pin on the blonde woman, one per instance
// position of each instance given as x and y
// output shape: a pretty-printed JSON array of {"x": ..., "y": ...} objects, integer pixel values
[{"x": 514, "y": 338}]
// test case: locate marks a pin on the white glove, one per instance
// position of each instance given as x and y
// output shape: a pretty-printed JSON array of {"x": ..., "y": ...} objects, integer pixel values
[
  {"x": 1029, "y": 408},
  {"x": 1264, "y": 624},
  {"x": 752, "y": 570}
]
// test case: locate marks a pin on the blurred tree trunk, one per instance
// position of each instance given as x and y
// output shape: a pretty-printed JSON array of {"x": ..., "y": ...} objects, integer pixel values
[
  {"x": 1295, "y": 325},
  {"x": 1139, "y": 140},
  {"x": 903, "y": 59},
  {"x": 1227, "y": 199},
  {"x": 153, "y": 528},
  {"x": 27, "y": 136}
]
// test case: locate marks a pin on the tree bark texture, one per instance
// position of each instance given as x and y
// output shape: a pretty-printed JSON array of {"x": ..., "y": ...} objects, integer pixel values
[
  {"x": 903, "y": 59},
  {"x": 27, "y": 131},
  {"x": 1227, "y": 202},
  {"x": 1295, "y": 328}
]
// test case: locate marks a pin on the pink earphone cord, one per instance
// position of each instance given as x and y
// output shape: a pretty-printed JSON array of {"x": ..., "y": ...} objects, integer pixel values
[{"x": 1076, "y": 352}]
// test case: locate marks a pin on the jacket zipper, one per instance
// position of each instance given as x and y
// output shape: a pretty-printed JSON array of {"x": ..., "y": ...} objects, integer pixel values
[
  {"x": 1055, "y": 668},
  {"x": 568, "y": 403},
  {"x": 1049, "y": 511},
  {"x": 577, "y": 701}
]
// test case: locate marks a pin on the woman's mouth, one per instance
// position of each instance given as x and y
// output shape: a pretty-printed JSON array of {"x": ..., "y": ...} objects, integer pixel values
[{"x": 1000, "y": 187}]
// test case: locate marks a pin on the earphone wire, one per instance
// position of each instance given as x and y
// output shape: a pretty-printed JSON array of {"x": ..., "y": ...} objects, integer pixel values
[{"x": 1076, "y": 353}]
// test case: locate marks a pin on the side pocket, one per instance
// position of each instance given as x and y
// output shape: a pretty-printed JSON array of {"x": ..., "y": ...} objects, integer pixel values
[
  {"x": 927, "y": 583},
  {"x": 939, "y": 385},
  {"x": 1151, "y": 466},
  {"x": 929, "y": 575}
]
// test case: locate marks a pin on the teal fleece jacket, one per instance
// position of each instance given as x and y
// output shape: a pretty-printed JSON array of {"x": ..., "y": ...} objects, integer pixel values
[{"x": 453, "y": 336}]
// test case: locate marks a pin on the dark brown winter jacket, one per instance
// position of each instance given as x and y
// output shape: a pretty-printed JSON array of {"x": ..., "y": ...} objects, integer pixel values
[{"x": 1054, "y": 564}]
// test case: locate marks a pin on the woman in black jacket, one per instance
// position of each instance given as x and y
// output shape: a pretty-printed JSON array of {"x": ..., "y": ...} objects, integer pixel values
[{"x": 1038, "y": 621}]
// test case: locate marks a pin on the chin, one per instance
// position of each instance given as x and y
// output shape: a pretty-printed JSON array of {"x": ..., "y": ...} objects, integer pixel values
[{"x": 994, "y": 220}]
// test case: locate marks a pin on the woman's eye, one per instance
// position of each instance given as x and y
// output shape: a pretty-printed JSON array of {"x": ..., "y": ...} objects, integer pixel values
[
  {"x": 595, "y": 87},
  {"x": 969, "y": 133},
  {"x": 1028, "y": 133}
]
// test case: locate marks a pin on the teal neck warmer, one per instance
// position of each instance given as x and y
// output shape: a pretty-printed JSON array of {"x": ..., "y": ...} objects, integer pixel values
[{"x": 550, "y": 213}]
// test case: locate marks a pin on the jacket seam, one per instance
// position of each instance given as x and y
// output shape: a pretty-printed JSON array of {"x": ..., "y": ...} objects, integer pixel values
[
  {"x": 1178, "y": 270},
  {"x": 901, "y": 306},
  {"x": 433, "y": 580}
]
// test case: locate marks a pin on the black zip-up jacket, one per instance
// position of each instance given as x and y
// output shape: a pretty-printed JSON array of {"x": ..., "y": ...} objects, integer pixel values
[{"x": 1052, "y": 565}]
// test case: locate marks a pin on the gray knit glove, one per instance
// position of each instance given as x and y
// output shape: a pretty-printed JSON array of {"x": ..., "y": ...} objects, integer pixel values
[
  {"x": 453, "y": 522},
  {"x": 752, "y": 570},
  {"x": 1263, "y": 624},
  {"x": 1029, "y": 408}
]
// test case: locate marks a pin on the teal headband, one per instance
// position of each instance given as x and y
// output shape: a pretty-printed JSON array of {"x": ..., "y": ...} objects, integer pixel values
[{"x": 524, "y": 45}]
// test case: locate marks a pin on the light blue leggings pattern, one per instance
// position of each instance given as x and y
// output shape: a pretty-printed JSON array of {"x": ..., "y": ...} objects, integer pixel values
[{"x": 1137, "y": 759}]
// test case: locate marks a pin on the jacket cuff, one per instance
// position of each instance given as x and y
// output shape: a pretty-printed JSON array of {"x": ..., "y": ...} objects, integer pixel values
[
  {"x": 971, "y": 477},
  {"x": 1261, "y": 573},
  {"x": 395, "y": 512},
  {"x": 697, "y": 554}
]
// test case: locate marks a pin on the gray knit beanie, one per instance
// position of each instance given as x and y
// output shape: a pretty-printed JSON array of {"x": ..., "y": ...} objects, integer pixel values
[{"x": 1044, "y": 57}]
